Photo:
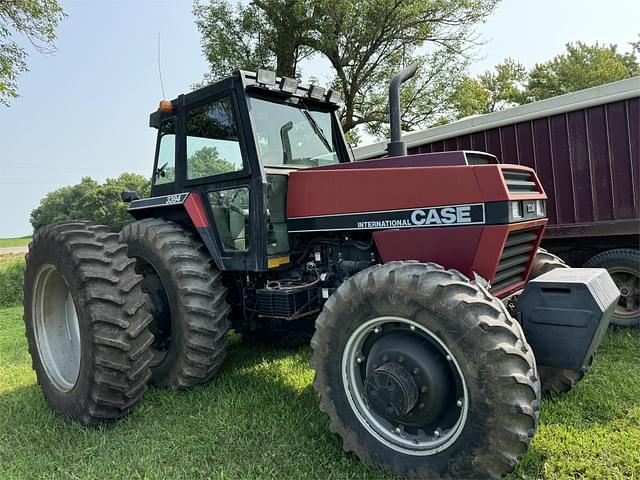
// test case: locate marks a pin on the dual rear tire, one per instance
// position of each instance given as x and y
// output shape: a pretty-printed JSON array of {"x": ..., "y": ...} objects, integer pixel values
[{"x": 105, "y": 315}]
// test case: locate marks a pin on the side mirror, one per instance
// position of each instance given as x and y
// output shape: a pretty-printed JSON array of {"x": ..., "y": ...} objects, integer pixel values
[{"x": 128, "y": 197}]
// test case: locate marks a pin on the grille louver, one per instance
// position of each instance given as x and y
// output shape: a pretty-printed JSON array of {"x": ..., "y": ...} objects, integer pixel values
[
  {"x": 519, "y": 182},
  {"x": 518, "y": 250}
]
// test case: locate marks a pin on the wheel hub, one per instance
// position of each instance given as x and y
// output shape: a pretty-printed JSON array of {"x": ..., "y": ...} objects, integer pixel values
[{"x": 391, "y": 391}]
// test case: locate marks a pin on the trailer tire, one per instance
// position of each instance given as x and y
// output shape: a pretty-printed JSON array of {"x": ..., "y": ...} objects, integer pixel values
[
  {"x": 189, "y": 304},
  {"x": 86, "y": 322},
  {"x": 623, "y": 265},
  {"x": 555, "y": 381},
  {"x": 453, "y": 316}
]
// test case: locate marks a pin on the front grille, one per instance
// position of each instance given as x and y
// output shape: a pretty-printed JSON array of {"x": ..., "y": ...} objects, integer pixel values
[
  {"x": 512, "y": 267},
  {"x": 519, "y": 182}
]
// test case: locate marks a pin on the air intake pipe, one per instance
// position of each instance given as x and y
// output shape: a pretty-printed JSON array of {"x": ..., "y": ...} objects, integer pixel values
[{"x": 396, "y": 147}]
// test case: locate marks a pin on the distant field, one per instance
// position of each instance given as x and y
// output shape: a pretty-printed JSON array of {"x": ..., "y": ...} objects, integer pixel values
[
  {"x": 15, "y": 242},
  {"x": 259, "y": 419}
]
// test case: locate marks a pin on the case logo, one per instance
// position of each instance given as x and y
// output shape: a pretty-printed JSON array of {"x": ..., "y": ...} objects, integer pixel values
[{"x": 446, "y": 215}]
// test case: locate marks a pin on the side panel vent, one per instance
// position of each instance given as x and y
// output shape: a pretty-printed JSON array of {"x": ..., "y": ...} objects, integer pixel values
[
  {"x": 519, "y": 182},
  {"x": 517, "y": 252}
]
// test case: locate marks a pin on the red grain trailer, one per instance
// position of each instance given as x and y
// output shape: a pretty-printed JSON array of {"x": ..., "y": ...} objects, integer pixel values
[{"x": 585, "y": 147}]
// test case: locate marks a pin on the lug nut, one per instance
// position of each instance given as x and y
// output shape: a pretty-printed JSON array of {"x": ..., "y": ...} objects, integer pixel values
[
  {"x": 401, "y": 358},
  {"x": 412, "y": 328},
  {"x": 377, "y": 330},
  {"x": 436, "y": 433},
  {"x": 416, "y": 371},
  {"x": 360, "y": 359},
  {"x": 459, "y": 403},
  {"x": 385, "y": 358},
  {"x": 448, "y": 358},
  {"x": 423, "y": 389}
]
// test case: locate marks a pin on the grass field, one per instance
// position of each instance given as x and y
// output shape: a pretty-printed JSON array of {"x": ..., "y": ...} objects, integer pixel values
[
  {"x": 260, "y": 419},
  {"x": 15, "y": 242}
]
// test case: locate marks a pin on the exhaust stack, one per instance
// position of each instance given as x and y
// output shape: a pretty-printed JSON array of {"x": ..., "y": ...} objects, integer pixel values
[{"x": 396, "y": 147}]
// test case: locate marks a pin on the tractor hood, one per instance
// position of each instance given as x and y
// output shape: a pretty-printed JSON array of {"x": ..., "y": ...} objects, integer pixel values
[
  {"x": 473, "y": 211},
  {"x": 411, "y": 182}
]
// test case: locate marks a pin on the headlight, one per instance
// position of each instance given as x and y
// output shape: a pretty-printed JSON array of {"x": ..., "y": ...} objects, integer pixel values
[
  {"x": 541, "y": 209},
  {"x": 515, "y": 210}
]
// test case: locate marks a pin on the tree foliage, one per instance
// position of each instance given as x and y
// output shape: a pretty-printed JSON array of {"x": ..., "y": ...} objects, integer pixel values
[
  {"x": 263, "y": 34},
  {"x": 509, "y": 84},
  {"x": 37, "y": 21},
  {"x": 89, "y": 200},
  {"x": 365, "y": 42},
  {"x": 495, "y": 90},
  {"x": 581, "y": 66}
]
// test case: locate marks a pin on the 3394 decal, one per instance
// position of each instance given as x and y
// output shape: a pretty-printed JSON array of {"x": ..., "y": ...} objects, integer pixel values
[{"x": 173, "y": 199}]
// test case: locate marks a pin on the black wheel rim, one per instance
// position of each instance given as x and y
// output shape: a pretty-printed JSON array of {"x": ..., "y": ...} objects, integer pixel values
[{"x": 628, "y": 282}]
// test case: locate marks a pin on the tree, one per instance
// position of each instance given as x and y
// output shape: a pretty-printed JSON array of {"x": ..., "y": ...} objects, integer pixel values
[
  {"x": 37, "y": 21},
  {"x": 367, "y": 42},
  {"x": 89, "y": 200},
  {"x": 504, "y": 87},
  {"x": 582, "y": 66},
  {"x": 364, "y": 41},
  {"x": 471, "y": 98},
  {"x": 264, "y": 34},
  {"x": 510, "y": 84}
]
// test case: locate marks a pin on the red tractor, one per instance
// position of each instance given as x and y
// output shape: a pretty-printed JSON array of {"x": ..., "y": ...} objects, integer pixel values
[{"x": 436, "y": 321}]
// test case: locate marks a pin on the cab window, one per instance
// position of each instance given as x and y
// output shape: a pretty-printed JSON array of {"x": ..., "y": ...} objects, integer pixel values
[
  {"x": 166, "y": 164},
  {"x": 213, "y": 146}
]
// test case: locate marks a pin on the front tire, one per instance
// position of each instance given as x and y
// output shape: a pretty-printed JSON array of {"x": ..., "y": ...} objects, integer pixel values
[
  {"x": 188, "y": 302},
  {"x": 458, "y": 380},
  {"x": 86, "y": 322}
]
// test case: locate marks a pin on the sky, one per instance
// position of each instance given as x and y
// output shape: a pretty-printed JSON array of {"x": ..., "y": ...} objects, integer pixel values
[{"x": 84, "y": 110}]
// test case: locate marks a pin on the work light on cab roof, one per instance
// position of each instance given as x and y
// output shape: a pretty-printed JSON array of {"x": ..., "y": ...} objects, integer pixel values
[{"x": 268, "y": 79}]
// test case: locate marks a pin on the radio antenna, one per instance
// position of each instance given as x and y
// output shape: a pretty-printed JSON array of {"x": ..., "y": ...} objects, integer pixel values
[{"x": 160, "y": 69}]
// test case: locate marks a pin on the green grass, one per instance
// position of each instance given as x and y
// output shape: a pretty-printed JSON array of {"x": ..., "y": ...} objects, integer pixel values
[
  {"x": 11, "y": 275},
  {"x": 15, "y": 242},
  {"x": 260, "y": 419}
]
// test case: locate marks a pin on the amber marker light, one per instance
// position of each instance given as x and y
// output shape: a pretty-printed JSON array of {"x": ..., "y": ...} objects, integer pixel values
[{"x": 165, "y": 106}]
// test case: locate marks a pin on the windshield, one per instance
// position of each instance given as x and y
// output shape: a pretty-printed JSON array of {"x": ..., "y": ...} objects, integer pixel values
[{"x": 294, "y": 136}]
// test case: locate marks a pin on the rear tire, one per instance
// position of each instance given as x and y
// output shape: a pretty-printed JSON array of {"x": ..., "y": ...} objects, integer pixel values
[
  {"x": 555, "y": 381},
  {"x": 86, "y": 322},
  {"x": 623, "y": 264},
  {"x": 188, "y": 302},
  {"x": 488, "y": 360}
]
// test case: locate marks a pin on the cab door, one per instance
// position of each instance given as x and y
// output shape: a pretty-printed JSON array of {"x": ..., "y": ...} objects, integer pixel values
[{"x": 214, "y": 161}]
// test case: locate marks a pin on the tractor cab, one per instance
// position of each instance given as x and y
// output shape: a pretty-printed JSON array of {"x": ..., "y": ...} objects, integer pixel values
[{"x": 234, "y": 142}]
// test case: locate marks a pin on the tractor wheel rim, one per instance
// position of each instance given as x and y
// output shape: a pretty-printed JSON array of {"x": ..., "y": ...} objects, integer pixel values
[
  {"x": 394, "y": 434},
  {"x": 57, "y": 329},
  {"x": 628, "y": 282}
]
